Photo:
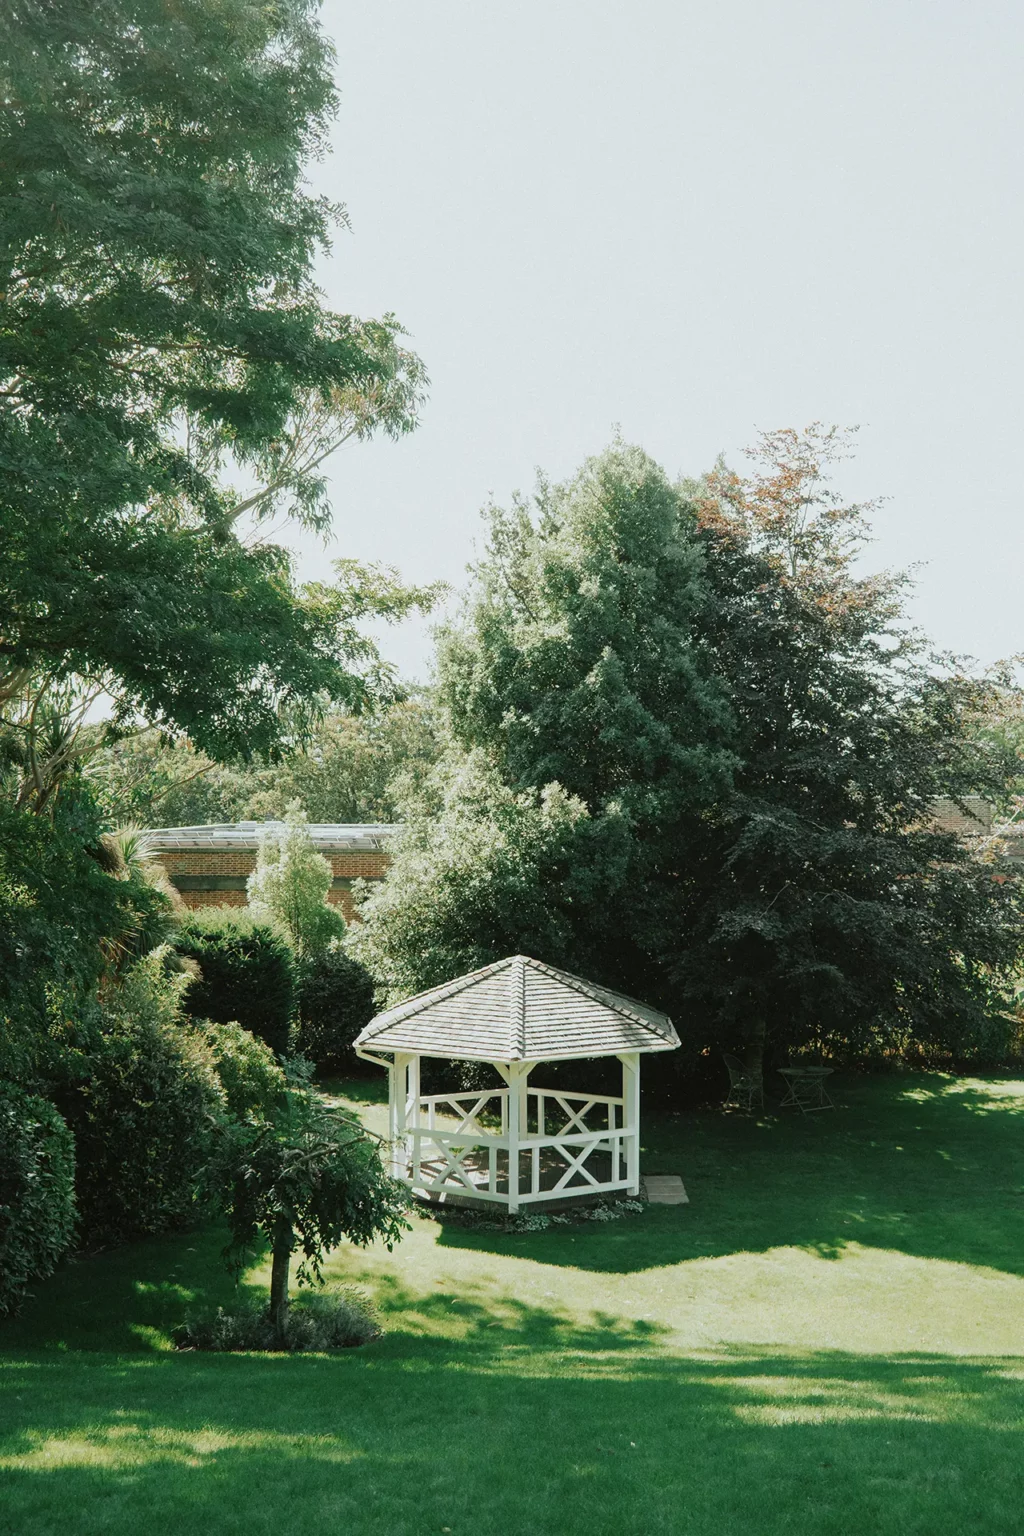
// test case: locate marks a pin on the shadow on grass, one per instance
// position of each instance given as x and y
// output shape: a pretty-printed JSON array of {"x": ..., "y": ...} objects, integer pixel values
[
  {"x": 518, "y": 1428},
  {"x": 128, "y": 1299},
  {"x": 929, "y": 1165}
]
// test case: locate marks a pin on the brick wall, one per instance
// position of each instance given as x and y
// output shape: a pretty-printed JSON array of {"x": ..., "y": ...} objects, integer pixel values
[{"x": 216, "y": 877}]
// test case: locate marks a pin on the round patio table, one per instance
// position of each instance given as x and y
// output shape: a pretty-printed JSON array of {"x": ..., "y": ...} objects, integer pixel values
[{"x": 806, "y": 1088}]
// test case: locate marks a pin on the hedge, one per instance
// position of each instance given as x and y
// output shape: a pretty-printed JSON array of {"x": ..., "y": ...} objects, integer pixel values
[
  {"x": 247, "y": 973},
  {"x": 336, "y": 998},
  {"x": 37, "y": 1191}
]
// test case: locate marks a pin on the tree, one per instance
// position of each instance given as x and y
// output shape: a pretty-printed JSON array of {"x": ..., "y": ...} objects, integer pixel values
[
  {"x": 576, "y": 668},
  {"x": 769, "y": 738},
  {"x": 305, "y": 1177},
  {"x": 163, "y": 340},
  {"x": 290, "y": 884},
  {"x": 481, "y": 871},
  {"x": 824, "y": 908},
  {"x": 347, "y": 770}
]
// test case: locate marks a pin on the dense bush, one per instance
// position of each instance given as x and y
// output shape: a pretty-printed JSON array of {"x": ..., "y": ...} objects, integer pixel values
[
  {"x": 248, "y": 973},
  {"x": 144, "y": 1112},
  {"x": 336, "y": 995},
  {"x": 65, "y": 919},
  {"x": 317, "y": 1320},
  {"x": 37, "y": 1191},
  {"x": 248, "y": 1073}
]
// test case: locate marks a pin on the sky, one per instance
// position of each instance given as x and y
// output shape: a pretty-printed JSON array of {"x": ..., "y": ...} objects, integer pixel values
[{"x": 690, "y": 221}]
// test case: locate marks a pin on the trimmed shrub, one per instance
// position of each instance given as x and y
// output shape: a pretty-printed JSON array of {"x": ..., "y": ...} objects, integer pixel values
[
  {"x": 247, "y": 973},
  {"x": 317, "y": 1320},
  {"x": 37, "y": 1192},
  {"x": 248, "y": 1072},
  {"x": 336, "y": 998},
  {"x": 144, "y": 1114}
]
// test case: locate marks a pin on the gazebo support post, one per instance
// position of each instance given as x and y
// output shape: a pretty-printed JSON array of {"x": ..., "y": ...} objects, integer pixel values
[
  {"x": 631, "y": 1117},
  {"x": 515, "y": 1074},
  {"x": 403, "y": 1104}
]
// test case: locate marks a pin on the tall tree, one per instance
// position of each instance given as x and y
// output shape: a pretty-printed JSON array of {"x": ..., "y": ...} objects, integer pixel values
[
  {"x": 588, "y": 729},
  {"x": 163, "y": 341},
  {"x": 769, "y": 735}
]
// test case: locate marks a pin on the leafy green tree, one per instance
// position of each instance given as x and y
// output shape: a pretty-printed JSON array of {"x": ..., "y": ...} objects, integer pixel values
[
  {"x": 141, "y": 1093},
  {"x": 305, "y": 1177},
  {"x": 769, "y": 740},
  {"x": 587, "y": 730},
  {"x": 481, "y": 871},
  {"x": 823, "y": 908},
  {"x": 163, "y": 340},
  {"x": 73, "y": 912},
  {"x": 349, "y": 769},
  {"x": 246, "y": 972},
  {"x": 290, "y": 884}
]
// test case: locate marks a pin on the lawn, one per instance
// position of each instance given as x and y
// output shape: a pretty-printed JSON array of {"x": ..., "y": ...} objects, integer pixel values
[{"x": 830, "y": 1336}]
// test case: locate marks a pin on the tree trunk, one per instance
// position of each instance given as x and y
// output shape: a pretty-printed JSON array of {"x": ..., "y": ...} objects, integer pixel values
[{"x": 283, "y": 1243}]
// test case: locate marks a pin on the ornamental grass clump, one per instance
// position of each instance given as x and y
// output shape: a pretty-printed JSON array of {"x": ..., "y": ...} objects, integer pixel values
[{"x": 317, "y": 1321}]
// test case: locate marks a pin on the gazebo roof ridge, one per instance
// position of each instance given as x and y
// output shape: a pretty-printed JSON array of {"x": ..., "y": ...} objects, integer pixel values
[{"x": 525, "y": 1015}]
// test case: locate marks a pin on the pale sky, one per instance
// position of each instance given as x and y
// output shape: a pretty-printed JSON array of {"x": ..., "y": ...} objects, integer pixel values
[{"x": 691, "y": 220}]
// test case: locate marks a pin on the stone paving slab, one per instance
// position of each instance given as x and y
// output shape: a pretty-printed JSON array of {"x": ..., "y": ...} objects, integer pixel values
[{"x": 665, "y": 1189}]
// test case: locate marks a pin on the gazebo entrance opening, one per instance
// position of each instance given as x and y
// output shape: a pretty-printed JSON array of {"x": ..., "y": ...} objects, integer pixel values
[{"x": 513, "y": 1144}]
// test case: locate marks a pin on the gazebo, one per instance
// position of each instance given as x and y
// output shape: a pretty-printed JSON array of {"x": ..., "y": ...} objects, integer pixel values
[{"x": 515, "y": 1145}]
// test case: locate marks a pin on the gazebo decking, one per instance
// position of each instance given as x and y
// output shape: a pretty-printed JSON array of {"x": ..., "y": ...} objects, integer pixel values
[{"x": 515, "y": 1145}]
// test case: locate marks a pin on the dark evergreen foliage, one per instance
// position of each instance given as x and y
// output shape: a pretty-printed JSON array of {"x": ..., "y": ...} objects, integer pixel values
[
  {"x": 37, "y": 1192},
  {"x": 335, "y": 1000},
  {"x": 247, "y": 973}
]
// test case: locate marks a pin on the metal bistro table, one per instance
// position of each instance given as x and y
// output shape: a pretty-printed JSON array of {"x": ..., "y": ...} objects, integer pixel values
[{"x": 806, "y": 1088}]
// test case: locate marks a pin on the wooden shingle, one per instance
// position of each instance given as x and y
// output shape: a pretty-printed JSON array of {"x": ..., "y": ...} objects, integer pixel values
[{"x": 519, "y": 1009}]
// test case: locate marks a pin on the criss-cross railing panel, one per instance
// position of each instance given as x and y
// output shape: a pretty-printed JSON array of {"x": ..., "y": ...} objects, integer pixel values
[{"x": 513, "y": 1145}]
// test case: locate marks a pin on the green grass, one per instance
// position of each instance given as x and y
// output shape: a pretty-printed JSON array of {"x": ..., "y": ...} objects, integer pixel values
[{"x": 829, "y": 1337}]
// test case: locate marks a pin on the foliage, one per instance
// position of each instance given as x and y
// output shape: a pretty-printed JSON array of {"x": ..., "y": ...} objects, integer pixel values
[
  {"x": 164, "y": 342},
  {"x": 247, "y": 973},
  {"x": 37, "y": 1192},
  {"x": 751, "y": 741},
  {"x": 290, "y": 884},
  {"x": 480, "y": 871},
  {"x": 317, "y": 1321},
  {"x": 305, "y": 1178},
  {"x": 144, "y": 1110},
  {"x": 343, "y": 773},
  {"x": 587, "y": 727},
  {"x": 336, "y": 998},
  {"x": 246, "y": 1068},
  {"x": 823, "y": 908},
  {"x": 576, "y": 664},
  {"x": 72, "y": 910}
]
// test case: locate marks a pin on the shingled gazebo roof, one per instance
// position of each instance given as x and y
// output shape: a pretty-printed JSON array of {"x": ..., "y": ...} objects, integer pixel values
[{"x": 519, "y": 1010}]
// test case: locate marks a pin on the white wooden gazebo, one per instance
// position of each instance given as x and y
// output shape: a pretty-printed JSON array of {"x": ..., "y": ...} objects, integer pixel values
[{"x": 514, "y": 1145}]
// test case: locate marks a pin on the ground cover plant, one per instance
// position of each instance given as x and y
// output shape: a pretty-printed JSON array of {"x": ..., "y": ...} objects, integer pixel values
[{"x": 828, "y": 1336}]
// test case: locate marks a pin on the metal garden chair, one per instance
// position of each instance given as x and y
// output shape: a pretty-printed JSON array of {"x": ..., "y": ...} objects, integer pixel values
[{"x": 745, "y": 1085}]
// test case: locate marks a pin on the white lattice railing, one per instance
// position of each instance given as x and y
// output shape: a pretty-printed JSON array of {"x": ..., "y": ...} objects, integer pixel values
[{"x": 564, "y": 1144}]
